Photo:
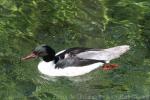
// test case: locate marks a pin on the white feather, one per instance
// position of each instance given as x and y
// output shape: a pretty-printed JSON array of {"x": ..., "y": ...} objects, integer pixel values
[
  {"x": 60, "y": 52},
  {"x": 48, "y": 69}
]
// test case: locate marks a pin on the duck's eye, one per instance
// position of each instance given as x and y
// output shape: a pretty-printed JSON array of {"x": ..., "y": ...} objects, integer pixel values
[
  {"x": 36, "y": 53},
  {"x": 39, "y": 53}
]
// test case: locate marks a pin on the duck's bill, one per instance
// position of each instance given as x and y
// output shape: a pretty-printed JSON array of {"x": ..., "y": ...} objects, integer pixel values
[{"x": 30, "y": 56}]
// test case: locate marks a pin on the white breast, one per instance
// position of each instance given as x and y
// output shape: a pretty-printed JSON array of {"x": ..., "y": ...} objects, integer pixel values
[{"x": 48, "y": 68}]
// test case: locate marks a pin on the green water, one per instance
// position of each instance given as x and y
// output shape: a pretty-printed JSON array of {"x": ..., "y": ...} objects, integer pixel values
[{"x": 24, "y": 24}]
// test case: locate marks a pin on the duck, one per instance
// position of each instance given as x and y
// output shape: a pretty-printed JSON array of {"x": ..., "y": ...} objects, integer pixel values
[{"x": 75, "y": 61}]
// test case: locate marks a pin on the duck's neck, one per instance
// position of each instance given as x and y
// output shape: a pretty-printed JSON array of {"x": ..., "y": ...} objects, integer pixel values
[
  {"x": 50, "y": 55},
  {"x": 48, "y": 58},
  {"x": 56, "y": 59}
]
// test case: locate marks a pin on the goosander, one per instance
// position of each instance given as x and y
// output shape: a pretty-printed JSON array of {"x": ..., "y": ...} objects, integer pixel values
[{"x": 74, "y": 61}]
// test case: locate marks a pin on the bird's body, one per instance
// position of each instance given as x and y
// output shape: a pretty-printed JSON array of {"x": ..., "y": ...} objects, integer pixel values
[{"x": 74, "y": 61}]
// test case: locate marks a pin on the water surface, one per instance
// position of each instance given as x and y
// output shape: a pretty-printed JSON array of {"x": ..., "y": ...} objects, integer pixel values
[{"x": 24, "y": 24}]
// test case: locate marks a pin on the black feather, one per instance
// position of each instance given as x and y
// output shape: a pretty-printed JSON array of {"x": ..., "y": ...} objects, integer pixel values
[{"x": 74, "y": 61}]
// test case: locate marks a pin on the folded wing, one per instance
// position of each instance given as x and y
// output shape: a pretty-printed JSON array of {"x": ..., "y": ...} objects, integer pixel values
[
  {"x": 76, "y": 62},
  {"x": 104, "y": 54}
]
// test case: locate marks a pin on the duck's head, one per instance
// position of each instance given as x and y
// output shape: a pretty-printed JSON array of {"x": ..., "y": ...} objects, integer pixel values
[{"x": 43, "y": 51}]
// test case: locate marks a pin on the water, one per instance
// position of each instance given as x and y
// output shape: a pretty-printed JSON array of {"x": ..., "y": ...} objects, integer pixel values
[{"x": 24, "y": 24}]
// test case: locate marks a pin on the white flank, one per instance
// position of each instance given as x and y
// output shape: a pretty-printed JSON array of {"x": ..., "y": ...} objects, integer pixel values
[{"x": 48, "y": 68}]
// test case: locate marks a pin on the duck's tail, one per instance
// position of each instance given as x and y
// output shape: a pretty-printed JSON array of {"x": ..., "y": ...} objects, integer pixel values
[{"x": 115, "y": 52}]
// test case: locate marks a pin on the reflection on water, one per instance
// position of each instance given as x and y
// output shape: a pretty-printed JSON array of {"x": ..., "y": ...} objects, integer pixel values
[{"x": 62, "y": 24}]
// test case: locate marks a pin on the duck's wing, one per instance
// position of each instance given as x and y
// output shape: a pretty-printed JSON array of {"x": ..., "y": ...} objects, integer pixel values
[
  {"x": 94, "y": 54},
  {"x": 104, "y": 54},
  {"x": 72, "y": 52},
  {"x": 75, "y": 62}
]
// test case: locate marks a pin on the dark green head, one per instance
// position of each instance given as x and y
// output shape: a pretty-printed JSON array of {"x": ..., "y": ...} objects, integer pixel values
[{"x": 43, "y": 51}]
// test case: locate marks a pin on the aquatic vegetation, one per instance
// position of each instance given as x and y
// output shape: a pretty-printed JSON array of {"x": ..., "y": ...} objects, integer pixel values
[{"x": 67, "y": 23}]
